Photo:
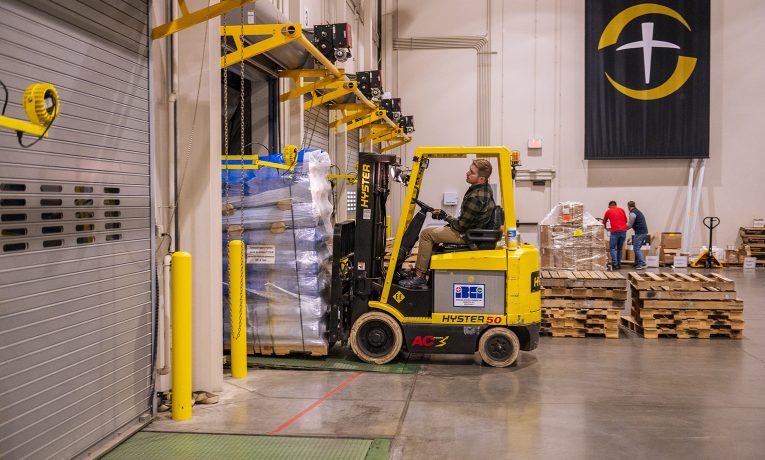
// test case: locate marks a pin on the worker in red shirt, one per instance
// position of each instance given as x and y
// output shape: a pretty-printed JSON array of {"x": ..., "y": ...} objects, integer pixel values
[{"x": 618, "y": 220}]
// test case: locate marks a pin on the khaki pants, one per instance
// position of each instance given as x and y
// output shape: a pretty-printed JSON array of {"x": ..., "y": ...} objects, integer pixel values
[{"x": 432, "y": 236}]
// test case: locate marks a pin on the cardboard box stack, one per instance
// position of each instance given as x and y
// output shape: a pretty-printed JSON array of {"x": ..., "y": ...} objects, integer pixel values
[
  {"x": 666, "y": 245},
  {"x": 571, "y": 239}
]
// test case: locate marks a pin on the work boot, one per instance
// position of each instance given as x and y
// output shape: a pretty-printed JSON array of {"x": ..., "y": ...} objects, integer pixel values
[{"x": 414, "y": 282}]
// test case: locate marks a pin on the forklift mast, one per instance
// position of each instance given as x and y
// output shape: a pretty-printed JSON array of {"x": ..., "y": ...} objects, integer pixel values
[{"x": 369, "y": 246}]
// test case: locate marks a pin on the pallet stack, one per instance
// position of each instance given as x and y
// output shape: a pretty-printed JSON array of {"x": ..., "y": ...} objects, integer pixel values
[
  {"x": 684, "y": 306},
  {"x": 754, "y": 237},
  {"x": 582, "y": 303}
]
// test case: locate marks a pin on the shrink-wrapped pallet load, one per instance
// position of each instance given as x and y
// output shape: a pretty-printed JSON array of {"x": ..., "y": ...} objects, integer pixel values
[
  {"x": 571, "y": 239},
  {"x": 285, "y": 222}
]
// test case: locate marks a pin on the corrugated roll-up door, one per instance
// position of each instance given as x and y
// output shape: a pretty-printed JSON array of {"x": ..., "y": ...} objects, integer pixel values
[
  {"x": 353, "y": 150},
  {"x": 317, "y": 128},
  {"x": 76, "y": 258}
]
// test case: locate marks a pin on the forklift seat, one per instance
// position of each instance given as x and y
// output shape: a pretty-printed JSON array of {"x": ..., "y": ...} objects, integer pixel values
[{"x": 480, "y": 238}]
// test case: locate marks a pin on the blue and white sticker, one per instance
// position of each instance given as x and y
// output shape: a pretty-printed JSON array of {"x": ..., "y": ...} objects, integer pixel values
[
  {"x": 512, "y": 234},
  {"x": 469, "y": 295}
]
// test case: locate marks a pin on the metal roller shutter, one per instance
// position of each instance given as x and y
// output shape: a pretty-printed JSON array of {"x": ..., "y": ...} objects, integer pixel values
[
  {"x": 75, "y": 214},
  {"x": 317, "y": 128},
  {"x": 353, "y": 149}
]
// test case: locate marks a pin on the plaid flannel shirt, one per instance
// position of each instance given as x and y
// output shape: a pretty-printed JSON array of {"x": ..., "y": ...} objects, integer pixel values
[{"x": 477, "y": 205}]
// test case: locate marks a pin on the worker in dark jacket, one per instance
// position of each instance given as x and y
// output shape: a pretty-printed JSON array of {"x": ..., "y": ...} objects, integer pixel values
[
  {"x": 618, "y": 220},
  {"x": 637, "y": 223},
  {"x": 477, "y": 206}
]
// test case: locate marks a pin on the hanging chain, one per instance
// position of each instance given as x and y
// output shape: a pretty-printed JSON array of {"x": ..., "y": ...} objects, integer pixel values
[
  {"x": 225, "y": 115},
  {"x": 242, "y": 296}
]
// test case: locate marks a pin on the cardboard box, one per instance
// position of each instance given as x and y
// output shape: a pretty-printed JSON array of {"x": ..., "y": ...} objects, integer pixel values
[
  {"x": 547, "y": 258},
  {"x": 668, "y": 255},
  {"x": 572, "y": 212},
  {"x": 672, "y": 240},
  {"x": 545, "y": 236}
]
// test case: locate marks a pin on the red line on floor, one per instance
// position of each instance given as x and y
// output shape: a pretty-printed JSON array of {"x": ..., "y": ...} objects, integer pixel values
[{"x": 315, "y": 404}]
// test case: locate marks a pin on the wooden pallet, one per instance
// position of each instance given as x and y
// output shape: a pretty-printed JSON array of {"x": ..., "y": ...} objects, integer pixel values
[
  {"x": 735, "y": 304},
  {"x": 714, "y": 315},
  {"x": 662, "y": 294},
  {"x": 588, "y": 292},
  {"x": 751, "y": 231},
  {"x": 663, "y": 331},
  {"x": 680, "y": 281},
  {"x": 581, "y": 332},
  {"x": 582, "y": 303},
  {"x": 582, "y": 279},
  {"x": 582, "y": 313}
]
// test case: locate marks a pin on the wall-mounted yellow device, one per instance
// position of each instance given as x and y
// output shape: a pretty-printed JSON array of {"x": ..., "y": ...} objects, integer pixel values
[{"x": 41, "y": 104}]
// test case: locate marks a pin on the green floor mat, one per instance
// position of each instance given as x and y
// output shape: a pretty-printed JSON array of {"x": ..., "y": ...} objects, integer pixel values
[
  {"x": 339, "y": 359},
  {"x": 191, "y": 446}
]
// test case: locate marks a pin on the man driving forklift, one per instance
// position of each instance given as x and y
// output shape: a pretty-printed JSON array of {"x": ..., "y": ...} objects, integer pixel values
[
  {"x": 477, "y": 206},
  {"x": 482, "y": 296}
]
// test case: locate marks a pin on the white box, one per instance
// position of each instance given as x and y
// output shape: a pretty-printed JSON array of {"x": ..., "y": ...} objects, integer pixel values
[
  {"x": 680, "y": 262},
  {"x": 652, "y": 261},
  {"x": 758, "y": 223},
  {"x": 750, "y": 263}
]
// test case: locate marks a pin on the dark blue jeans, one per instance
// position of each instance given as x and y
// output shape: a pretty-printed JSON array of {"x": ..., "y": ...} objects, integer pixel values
[
  {"x": 616, "y": 243},
  {"x": 638, "y": 240}
]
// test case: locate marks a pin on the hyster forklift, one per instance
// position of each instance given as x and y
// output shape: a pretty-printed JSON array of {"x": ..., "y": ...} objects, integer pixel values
[{"x": 481, "y": 296}]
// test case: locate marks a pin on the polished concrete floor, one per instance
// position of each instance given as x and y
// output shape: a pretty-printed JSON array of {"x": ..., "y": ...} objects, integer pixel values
[{"x": 571, "y": 398}]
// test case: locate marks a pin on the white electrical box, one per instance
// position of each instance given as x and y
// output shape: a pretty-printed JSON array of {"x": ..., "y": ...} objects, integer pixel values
[{"x": 450, "y": 199}]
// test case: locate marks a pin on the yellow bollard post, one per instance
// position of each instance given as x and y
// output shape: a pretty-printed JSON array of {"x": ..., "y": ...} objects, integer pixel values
[
  {"x": 181, "y": 318},
  {"x": 237, "y": 308},
  {"x": 387, "y": 226}
]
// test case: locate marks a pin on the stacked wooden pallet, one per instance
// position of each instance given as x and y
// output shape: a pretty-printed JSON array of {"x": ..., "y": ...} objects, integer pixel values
[
  {"x": 684, "y": 306},
  {"x": 754, "y": 237},
  {"x": 582, "y": 303},
  {"x": 408, "y": 262}
]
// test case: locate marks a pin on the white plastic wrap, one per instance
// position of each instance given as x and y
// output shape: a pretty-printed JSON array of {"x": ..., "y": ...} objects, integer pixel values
[
  {"x": 287, "y": 232},
  {"x": 571, "y": 239}
]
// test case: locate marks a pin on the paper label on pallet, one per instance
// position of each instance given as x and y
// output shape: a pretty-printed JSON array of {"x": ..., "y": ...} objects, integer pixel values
[
  {"x": 680, "y": 262},
  {"x": 261, "y": 254},
  {"x": 750, "y": 262}
]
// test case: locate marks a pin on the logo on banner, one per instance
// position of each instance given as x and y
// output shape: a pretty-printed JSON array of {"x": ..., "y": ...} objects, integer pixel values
[
  {"x": 685, "y": 64},
  {"x": 469, "y": 295}
]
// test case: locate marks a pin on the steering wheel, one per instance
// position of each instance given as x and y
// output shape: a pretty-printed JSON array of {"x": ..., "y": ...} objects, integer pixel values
[{"x": 424, "y": 206}]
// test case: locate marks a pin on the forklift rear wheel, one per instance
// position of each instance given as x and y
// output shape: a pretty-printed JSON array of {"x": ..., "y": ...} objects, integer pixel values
[
  {"x": 499, "y": 347},
  {"x": 376, "y": 337}
]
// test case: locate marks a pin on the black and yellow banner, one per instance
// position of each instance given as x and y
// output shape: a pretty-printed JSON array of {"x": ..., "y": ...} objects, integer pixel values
[{"x": 647, "y": 79}]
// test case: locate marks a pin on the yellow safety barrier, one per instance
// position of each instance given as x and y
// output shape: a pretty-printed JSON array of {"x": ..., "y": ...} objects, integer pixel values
[
  {"x": 181, "y": 317},
  {"x": 237, "y": 308}
]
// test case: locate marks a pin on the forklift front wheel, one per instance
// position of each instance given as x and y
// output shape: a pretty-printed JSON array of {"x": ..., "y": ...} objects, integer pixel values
[
  {"x": 499, "y": 347},
  {"x": 376, "y": 337}
]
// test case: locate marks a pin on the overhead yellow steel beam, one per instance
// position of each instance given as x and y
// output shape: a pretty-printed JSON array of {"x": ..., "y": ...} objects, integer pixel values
[
  {"x": 376, "y": 131},
  {"x": 189, "y": 19},
  {"x": 351, "y": 115},
  {"x": 305, "y": 88},
  {"x": 377, "y": 115},
  {"x": 277, "y": 35},
  {"x": 393, "y": 145},
  {"x": 389, "y": 136},
  {"x": 342, "y": 88},
  {"x": 281, "y": 34}
]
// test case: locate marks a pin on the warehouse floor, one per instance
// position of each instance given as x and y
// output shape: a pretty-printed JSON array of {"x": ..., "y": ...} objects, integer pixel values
[{"x": 571, "y": 398}]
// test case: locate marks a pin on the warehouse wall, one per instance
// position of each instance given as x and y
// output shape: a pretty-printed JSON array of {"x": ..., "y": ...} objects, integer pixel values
[{"x": 537, "y": 90}]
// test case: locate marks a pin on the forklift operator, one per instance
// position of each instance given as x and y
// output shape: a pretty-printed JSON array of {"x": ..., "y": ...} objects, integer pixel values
[{"x": 477, "y": 206}]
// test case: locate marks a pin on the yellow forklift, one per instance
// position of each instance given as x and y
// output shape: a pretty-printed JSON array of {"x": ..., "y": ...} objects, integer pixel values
[{"x": 482, "y": 296}]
